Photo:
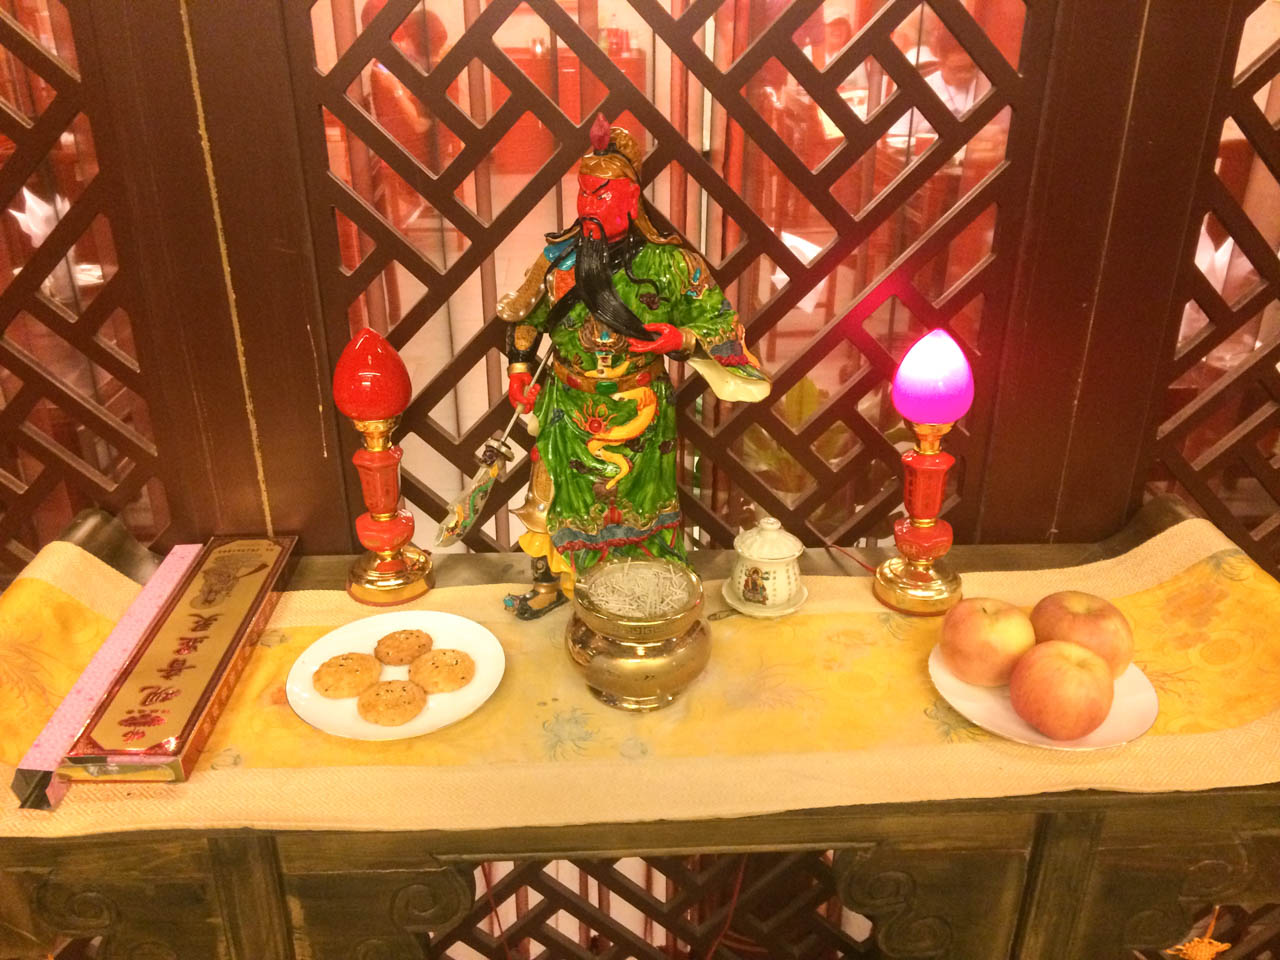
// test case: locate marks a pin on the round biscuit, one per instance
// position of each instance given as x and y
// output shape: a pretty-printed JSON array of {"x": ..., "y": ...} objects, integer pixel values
[
  {"x": 442, "y": 671},
  {"x": 346, "y": 675},
  {"x": 402, "y": 647},
  {"x": 391, "y": 702}
]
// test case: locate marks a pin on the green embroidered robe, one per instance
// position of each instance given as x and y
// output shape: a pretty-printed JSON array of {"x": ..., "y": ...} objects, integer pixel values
[{"x": 611, "y": 451}]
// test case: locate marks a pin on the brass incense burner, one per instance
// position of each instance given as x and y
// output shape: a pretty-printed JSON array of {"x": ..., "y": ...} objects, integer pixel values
[{"x": 638, "y": 664}]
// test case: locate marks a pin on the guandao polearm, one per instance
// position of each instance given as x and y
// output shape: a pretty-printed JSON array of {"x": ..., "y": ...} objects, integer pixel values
[{"x": 465, "y": 508}]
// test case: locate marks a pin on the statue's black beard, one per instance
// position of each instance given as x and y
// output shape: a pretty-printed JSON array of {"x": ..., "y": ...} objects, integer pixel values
[{"x": 598, "y": 260}]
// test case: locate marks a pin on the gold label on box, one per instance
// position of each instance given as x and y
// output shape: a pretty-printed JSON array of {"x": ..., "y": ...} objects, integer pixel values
[{"x": 168, "y": 684}]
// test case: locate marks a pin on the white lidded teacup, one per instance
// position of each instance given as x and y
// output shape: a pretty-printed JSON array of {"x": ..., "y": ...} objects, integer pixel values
[{"x": 766, "y": 571}]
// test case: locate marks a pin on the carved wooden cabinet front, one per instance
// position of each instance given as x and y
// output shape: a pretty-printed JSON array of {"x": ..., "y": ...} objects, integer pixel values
[
  {"x": 913, "y": 896},
  {"x": 1113, "y": 878},
  {"x": 928, "y": 903},
  {"x": 146, "y": 900},
  {"x": 362, "y": 905},
  {"x": 1155, "y": 876}
]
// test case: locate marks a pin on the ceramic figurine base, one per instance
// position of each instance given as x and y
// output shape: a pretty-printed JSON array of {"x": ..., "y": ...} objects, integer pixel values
[
  {"x": 379, "y": 588},
  {"x": 919, "y": 589}
]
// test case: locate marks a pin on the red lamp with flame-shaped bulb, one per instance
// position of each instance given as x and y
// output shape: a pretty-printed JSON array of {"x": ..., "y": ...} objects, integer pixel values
[
  {"x": 932, "y": 389},
  {"x": 371, "y": 386}
]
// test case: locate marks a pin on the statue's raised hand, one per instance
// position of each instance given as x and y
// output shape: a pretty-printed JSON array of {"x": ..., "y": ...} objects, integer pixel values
[{"x": 670, "y": 339}]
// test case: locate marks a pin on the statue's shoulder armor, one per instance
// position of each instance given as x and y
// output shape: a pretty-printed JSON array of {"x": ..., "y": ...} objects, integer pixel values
[
  {"x": 519, "y": 303},
  {"x": 699, "y": 273}
]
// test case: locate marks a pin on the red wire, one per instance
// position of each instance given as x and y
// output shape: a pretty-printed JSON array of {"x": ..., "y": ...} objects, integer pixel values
[
  {"x": 733, "y": 905},
  {"x": 493, "y": 908},
  {"x": 854, "y": 557}
]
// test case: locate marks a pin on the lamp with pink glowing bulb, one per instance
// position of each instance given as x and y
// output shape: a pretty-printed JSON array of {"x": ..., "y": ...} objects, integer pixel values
[{"x": 932, "y": 389}]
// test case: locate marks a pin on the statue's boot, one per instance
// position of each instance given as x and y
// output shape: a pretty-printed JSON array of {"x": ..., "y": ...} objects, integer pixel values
[{"x": 544, "y": 597}]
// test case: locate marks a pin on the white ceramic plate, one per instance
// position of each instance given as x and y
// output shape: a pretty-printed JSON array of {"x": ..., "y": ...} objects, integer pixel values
[
  {"x": 447, "y": 630},
  {"x": 1133, "y": 710}
]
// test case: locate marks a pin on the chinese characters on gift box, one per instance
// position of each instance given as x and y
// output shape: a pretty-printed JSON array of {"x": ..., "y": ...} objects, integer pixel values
[
  {"x": 137, "y": 720},
  {"x": 157, "y": 714}
]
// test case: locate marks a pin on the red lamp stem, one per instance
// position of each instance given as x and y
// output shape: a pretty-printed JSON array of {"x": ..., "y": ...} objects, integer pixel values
[
  {"x": 380, "y": 480},
  {"x": 386, "y": 528},
  {"x": 385, "y": 536},
  {"x": 924, "y": 483},
  {"x": 920, "y": 536}
]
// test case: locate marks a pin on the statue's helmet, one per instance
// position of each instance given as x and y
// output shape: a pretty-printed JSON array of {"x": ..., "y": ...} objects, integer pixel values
[{"x": 614, "y": 153}]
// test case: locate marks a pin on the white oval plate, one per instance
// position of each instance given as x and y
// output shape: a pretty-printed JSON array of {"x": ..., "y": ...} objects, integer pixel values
[
  {"x": 1133, "y": 710},
  {"x": 448, "y": 631}
]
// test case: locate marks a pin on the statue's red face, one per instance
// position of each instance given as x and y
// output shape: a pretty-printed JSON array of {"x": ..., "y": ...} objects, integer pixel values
[{"x": 611, "y": 201}]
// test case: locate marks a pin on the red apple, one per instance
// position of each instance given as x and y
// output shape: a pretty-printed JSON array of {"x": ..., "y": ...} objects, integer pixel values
[
  {"x": 1089, "y": 621},
  {"x": 983, "y": 638},
  {"x": 1062, "y": 689}
]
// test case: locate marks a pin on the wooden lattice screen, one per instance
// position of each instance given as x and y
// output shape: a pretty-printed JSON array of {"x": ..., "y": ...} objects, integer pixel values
[
  {"x": 74, "y": 426},
  {"x": 657, "y": 908},
  {"x": 1218, "y": 441},
  {"x": 847, "y": 200}
]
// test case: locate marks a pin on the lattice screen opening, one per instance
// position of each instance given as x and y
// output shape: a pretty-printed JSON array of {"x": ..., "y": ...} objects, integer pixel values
[
  {"x": 659, "y": 907},
  {"x": 865, "y": 504},
  {"x": 1218, "y": 445},
  {"x": 72, "y": 394},
  {"x": 841, "y": 168}
]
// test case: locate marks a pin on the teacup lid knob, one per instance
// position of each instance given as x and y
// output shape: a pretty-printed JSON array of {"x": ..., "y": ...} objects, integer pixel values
[{"x": 768, "y": 541}]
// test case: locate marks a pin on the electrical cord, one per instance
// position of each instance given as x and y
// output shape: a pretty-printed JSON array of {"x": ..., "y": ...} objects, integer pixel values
[
  {"x": 493, "y": 908},
  {"x": 733, "y": 906}
]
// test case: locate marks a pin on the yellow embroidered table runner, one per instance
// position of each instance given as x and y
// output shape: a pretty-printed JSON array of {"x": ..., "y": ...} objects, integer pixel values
[{"x": 827, "y": 707}]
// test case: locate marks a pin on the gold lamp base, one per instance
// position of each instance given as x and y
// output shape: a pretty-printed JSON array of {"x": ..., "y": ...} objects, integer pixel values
[
  {"x": 380, "y": 588},
  {"x": 925, "y": 588}
]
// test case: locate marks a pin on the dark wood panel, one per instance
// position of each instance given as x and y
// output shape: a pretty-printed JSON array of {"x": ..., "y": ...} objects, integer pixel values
[
  {"x": 202, "y": 425},
  {"x": 244, "y": 77},
  {"x": 1081, "y": 143},
  {"x": 245, "y": 422},
  {"x": 1061, "y": 864},
  {"x": 1151, "y": 879},
  {"x": 1170, "y": 140},
  {"x": 251, "y": 895}
]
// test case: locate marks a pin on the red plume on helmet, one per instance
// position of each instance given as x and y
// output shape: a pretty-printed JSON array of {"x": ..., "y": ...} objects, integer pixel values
[{"x": 600, "y": 131}]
